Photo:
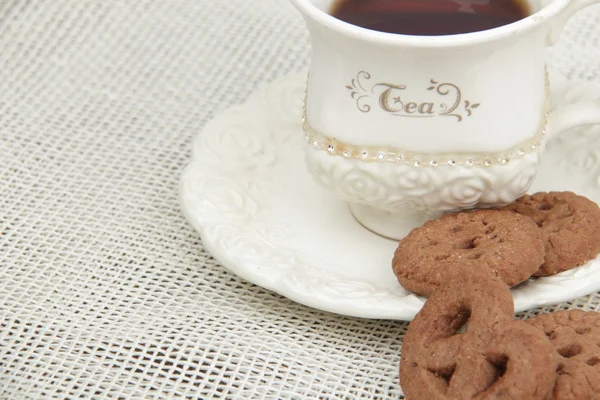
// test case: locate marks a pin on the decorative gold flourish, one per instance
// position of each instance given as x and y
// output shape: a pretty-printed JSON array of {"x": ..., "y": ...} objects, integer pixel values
[
  {"x": 402, "y": 156},
  {"x": 391, "y": 99},
  {"x": 445, "y": 89},
  {"x": 358, "y": 92}
]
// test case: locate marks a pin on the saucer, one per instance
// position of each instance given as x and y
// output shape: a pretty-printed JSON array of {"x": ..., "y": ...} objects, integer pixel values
[{"x": 248, "y": 194}]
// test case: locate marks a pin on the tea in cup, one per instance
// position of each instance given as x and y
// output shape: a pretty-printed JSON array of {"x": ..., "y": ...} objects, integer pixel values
[{"x": 416, "y": 108}]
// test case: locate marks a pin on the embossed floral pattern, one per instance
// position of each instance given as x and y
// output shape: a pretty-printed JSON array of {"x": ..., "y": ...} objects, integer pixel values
[
  {"x": 234, "y": 194},
  {"x": 251, "y": 246},
  {"x": 352, "y": 184},
  {"x": 218, "y": 196},
  {"x": 415, "y": 182},
  {"x": 228, "y": 190},
  {"x": 462, "y": 193},
  {"x": 403, "y": 189},
  {"x": 581, "y": 144},
  {"x": 516, "y": 182},
  {"x": 227, "y": 141},
  {"x": 263, "y": 190}
]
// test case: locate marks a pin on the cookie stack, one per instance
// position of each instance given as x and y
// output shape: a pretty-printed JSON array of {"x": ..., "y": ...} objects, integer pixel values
[
  {"x": 464, "y": 344},
  {"x": 537, "y": 235}
]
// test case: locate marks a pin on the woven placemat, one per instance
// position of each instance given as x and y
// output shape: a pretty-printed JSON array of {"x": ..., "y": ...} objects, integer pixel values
[{"x": 105, "y": 291}]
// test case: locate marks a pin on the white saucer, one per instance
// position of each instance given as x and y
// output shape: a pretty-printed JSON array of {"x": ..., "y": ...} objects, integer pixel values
[{"x": 259, "y": 213}]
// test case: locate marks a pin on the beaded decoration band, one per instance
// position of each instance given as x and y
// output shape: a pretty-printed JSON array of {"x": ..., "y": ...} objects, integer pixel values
[{"x": 401, "y": 156}]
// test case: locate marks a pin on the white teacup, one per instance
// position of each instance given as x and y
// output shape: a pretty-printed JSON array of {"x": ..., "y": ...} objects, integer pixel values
[{"x": 405, "y": 128}]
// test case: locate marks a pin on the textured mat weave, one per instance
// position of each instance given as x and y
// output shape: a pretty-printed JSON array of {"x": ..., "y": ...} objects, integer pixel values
[{"x": 105, "y": 290}]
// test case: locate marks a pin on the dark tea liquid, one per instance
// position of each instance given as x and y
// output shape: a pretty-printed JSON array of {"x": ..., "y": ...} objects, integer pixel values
[{"x": 430, "y": 17}]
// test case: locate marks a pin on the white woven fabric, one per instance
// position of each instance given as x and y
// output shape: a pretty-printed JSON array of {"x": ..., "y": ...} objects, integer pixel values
[{"x": 105, "y": 290}]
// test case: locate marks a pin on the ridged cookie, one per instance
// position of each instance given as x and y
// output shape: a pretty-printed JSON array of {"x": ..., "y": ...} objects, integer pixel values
[{"x": 501, "y": 243}]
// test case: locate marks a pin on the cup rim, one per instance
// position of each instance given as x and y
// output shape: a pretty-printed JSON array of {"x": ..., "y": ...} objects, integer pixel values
[{"x": 312, "y": 12}]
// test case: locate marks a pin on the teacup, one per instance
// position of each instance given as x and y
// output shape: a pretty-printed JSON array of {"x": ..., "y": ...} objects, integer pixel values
[{"x": 405, "y": 128}]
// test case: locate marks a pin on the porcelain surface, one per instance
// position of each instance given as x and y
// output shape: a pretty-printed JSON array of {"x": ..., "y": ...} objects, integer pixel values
[
  {"x": 407, "y": 127},
  {"x": 249, "y": 195}
]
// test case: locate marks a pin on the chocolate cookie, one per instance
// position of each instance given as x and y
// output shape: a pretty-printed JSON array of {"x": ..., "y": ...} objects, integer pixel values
[
  {"x": 570, "y": 227},
  {"x": 495, "y": 357},
  {"x": 504, "y": 244},
  {"x": 576, "y": 338}
]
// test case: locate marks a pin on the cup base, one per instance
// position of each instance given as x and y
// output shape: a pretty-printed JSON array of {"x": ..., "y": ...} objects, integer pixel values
[{"x": 386, "y": 224}]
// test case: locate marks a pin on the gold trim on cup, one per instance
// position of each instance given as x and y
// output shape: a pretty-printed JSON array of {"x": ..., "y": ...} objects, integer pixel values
[{"x": 402, "y": 156}]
